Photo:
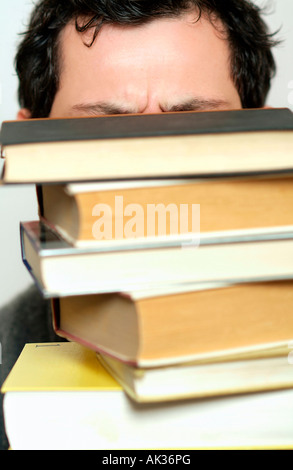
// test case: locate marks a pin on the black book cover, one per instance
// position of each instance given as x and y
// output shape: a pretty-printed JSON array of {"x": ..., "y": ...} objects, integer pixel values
[{"x": 145, "y": 125}]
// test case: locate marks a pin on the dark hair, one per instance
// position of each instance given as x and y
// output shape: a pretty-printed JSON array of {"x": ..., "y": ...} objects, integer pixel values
[{"x": 37, "y": 64}]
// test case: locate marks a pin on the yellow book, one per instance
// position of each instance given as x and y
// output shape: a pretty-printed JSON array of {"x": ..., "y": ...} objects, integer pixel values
[
  {"x": 58, "y": 396},
  {"x": 58, "y": 367}
]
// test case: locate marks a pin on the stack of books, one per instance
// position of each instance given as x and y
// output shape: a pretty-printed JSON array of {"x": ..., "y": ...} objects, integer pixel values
[{"x": 166, "y": 245}]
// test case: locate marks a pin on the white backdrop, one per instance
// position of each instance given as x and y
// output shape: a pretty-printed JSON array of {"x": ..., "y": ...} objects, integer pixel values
[{"x": 18, "y": 203}]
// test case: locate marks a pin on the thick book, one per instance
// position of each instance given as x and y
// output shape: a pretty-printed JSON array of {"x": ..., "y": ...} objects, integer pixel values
[
  {"x": 144, "y": 146},
  {"x": 59, "y": 397},
  {"x": 261, "y": 370},
  {"x": 85, "y": 213},
  {"x": 62, "y": 270},
  {"x": 150, "y": 329}
]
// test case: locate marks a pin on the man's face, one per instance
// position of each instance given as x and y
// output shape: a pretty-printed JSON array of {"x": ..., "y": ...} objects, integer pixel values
[{"x": 166, "y": 65}]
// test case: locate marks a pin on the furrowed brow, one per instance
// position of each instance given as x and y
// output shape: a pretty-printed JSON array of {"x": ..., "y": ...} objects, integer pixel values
[{"x": 108, "y": 108}]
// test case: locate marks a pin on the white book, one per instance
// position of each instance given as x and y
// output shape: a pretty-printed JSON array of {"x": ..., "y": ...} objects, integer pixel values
[{"x": 58, "y": 396}]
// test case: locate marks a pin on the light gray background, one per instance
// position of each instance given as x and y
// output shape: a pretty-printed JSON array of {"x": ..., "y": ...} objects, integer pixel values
[{"x": 17, "y": 203}]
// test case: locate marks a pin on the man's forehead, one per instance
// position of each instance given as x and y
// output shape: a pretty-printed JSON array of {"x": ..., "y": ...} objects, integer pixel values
[
  {"x": 151, "y": 41},
  {"x": 179, "y": 63}
]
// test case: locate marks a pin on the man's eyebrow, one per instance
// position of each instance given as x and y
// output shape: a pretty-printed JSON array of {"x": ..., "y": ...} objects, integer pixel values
[
  {"x": 197, "y": 104},
  {"x": 104, "y": 108}
]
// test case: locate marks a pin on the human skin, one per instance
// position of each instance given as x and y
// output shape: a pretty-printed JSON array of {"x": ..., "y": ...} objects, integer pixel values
[{"x": 176, "y": 64}]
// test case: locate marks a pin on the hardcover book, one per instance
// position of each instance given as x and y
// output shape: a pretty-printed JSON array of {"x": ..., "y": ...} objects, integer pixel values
[
  {"x": 145, "y": 146},
  {"x": 260, "y": 371},
  {"x": 90, "y": 213},
  {"x": 148, "y": 329},
  {"x": 62, "y": 270}
]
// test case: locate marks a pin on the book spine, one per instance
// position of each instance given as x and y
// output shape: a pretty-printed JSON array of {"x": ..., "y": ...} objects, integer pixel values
[{"x": 55, "y": 305}]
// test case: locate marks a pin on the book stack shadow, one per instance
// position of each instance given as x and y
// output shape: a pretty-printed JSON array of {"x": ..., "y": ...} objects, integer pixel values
[{"x": 165, "y": 245}]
